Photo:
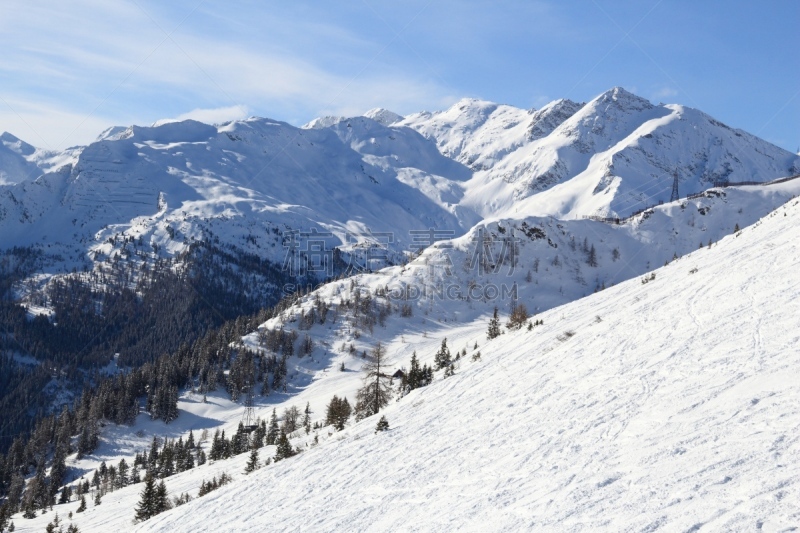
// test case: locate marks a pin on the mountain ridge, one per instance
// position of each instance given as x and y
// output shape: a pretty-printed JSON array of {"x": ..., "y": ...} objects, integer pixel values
[{"x": 353, "y": 178}]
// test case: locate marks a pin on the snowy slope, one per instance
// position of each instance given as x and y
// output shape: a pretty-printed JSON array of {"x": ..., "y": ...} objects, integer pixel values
[
  {"x": 383, "y": 116},
  {"x": 474, "y": 132},
  {"x": 544, "y": 261},
  {"x": 20, "y": 161},
  {"x": 15, "y": 165},
  {"x": 671, "y": 407}
]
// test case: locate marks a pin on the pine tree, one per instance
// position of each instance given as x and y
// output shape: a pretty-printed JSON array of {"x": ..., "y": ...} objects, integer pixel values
[
  {"x": 284, "y": 450},
  {"x": 152, "y": 458},
  {"x": 257, "y": 440},
  {"x": 252, "y": 462},
  {"x": 29, "y": 512},
  {"x": 122, "y": 476},
  {"x": 273, "y": 431},
  {"x": 217, "y": 447},
  {"x": 37, "y": 496},
  {"x": 494, "y": 326},
  {"x": 162, "y": 500},
  {"x": 413, "y": 379},
  {"x": 376, "y": 393},
  {"x": 337, "y": 413},
  {"x": 383, "y": 424},
  {"x": 239, "y": 441},
  {"x": 147, "y": 502},
  {"x": 166, "y": 464},
  {"x": 59, "y": 469},
  {"x": 307, "y": 418},
  {"x": 442, "y": 358},
  {"x": 591, "y": 259}
]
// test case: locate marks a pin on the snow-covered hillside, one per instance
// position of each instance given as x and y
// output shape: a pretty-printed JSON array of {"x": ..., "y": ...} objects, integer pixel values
[
  {"x": 662, "y": 403},
  {"x": 541, "y": 261}
]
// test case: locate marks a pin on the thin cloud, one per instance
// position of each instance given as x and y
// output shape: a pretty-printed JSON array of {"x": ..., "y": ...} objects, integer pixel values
[
  {"x": 111, "y": 58},
  {"x": 664, "y": 93},
  {"x": 47, "y": 126}
]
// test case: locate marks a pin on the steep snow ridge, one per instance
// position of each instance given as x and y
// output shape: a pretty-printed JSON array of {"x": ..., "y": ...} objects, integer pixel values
[
  {"x": 16, "y": 145},
  {"x": 322, "y": 122},
  {"x": 474, "y": 132},
  {"x": 573, "y": 144},
  {"x": 665, "y": 404},
  {"x": 545, "y": 120},
  {"x": 112, "y": 134},
  {"x": 390, "y": 148},
  {"x": 20, "y": 161},
  {"x": 411, "y": 159},
  {"x": 618, "y": 154},
  {"x": 14, "y": 166},
  {"x": 546, "y": 261},
  {"x": 383, "y": 116}
]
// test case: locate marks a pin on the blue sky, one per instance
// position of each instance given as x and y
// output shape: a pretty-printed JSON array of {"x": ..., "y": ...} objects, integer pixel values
[{"x": 69, "y": 71}]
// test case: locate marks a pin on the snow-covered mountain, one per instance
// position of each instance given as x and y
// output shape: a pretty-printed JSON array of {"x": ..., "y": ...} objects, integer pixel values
[
  {"x": 247, "y": 182},
  {"x": 610, "y": 157},
  {"x": 660, "y": 403},
  {"x": 15, "y": 163},
  {"x": 366, "y": 182}
]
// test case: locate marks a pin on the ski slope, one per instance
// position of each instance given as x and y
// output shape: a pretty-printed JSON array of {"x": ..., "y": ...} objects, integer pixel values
[{"x": 667, "y": 405}]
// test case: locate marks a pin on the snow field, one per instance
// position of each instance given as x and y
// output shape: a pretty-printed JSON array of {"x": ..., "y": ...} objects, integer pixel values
[{"x": 675, "y": 409}]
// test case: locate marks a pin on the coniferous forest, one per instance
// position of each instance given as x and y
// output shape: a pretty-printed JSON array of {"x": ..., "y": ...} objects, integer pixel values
[{"x": 152, "y": 320}]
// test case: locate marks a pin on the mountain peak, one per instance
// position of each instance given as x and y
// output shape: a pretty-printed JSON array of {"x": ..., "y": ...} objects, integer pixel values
[
  {"x": 623, "y": 99},
  {"x": 322, "y": 122},
  {"x": 477, "y": 104},
  {"x": 8, "y": 137},
  {"x": 111, "y": 134},
  {"x": 15, "y": 144},
  {"x": 549, "y": 117},
  {"x": 383, "y": 116}
]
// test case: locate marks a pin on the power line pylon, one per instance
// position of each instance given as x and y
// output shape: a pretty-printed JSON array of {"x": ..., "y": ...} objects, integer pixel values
[
  {"x": 675, "y": 195},
  {"x": 249, "y": 417}
]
